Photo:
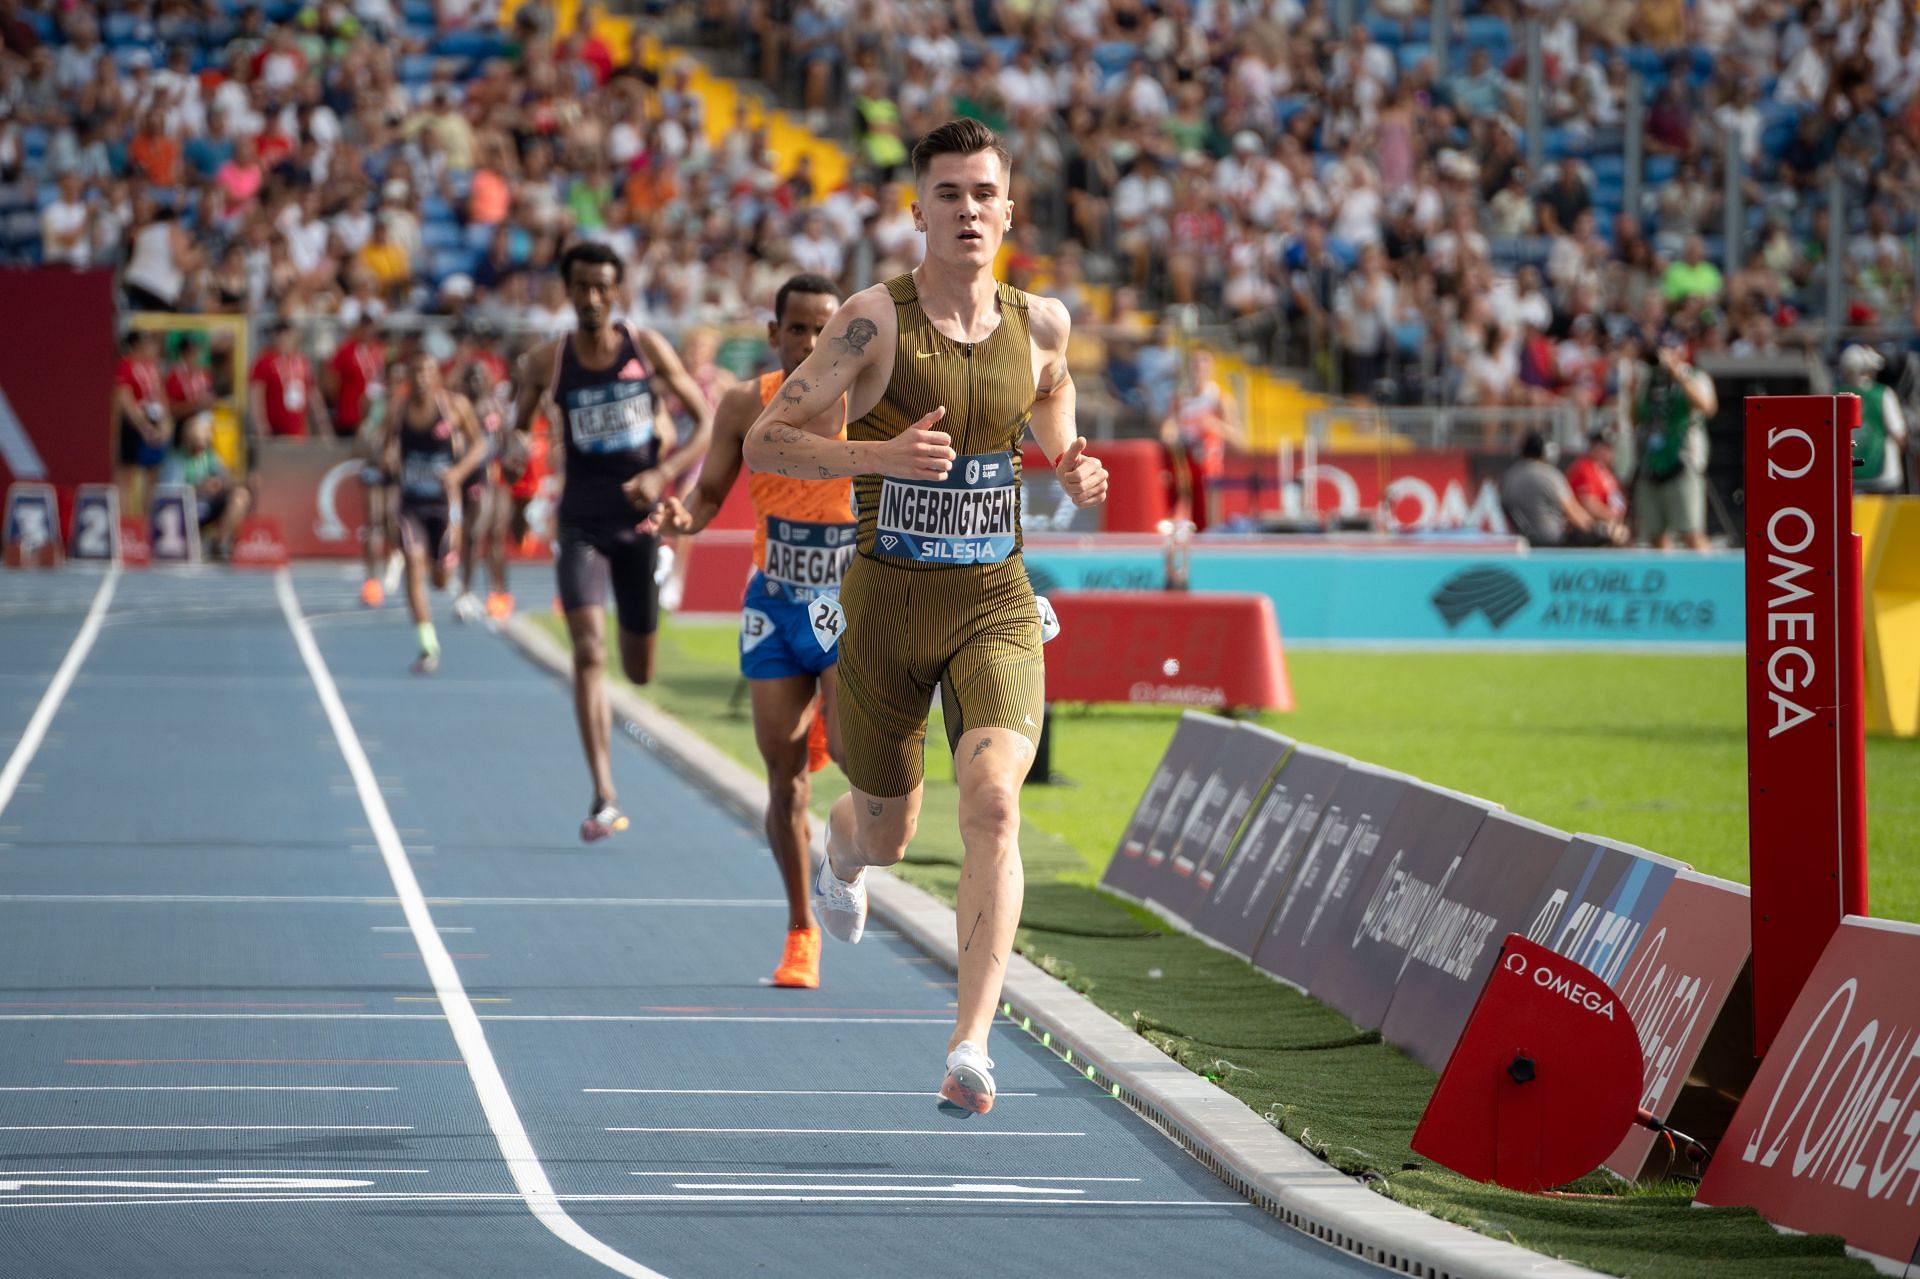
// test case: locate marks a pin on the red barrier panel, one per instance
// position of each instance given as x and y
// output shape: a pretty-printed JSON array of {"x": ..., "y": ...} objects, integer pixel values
[
  {"x": 1543, "y": 1080},
  {"x": 1136, "y": 484},
  {"x": 1200, "y": 648},
  {"x": 313, "y": 489},
  {"x": 1827, "y": 1139},
  {"x": 1675, "y": 987},
  {"x": 718, "y": 572},
  {"x": 1807, "y": 846},
  {"x": 56, "y": 377}
]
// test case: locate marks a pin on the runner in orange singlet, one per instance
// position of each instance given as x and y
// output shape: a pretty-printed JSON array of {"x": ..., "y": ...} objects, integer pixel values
[{"x": 803, "y": 537}]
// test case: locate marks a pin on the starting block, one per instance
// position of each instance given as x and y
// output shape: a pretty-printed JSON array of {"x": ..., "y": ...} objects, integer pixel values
[{"x": 32, "y": 526}]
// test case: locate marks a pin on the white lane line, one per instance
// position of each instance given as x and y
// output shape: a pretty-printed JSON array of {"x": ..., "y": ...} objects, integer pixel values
[
  {"x": 579, "y": 1017},
  {"x": 206, "y": 1128},
  {"x": 515, "y": 1146},
  {"x": 402, "y": 928},
  {"x": 36, "y": 730},
  {"x": 977, "y": 1188},
  {"x": 251, "y": 1172},
  {"x": 890, "y": 1176},
  {"x": 775, "y": 1092},
  {"x": 205, "y": 1088},
  {"x": 210, "y": 899},
  {"x": 372, "y": 1197},
  {"x": 853, "y": 1132}
]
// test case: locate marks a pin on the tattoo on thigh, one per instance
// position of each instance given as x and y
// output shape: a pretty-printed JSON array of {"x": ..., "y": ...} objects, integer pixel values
[
  {"x": 980, "y": 748},
  {"x": 975, "y": 929},
  {"x": 875, "y": 808}
]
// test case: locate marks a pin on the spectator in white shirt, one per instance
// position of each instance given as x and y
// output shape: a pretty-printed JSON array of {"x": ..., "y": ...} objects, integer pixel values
[{"x": 65, "y": 228}]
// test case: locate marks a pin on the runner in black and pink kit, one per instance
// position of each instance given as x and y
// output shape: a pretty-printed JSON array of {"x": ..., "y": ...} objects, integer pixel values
[
  {"x": 620, "y": 458},
  {"x": 433, "y": 443}
]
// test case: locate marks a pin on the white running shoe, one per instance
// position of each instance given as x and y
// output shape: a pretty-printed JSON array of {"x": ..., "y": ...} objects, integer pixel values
[
  {"x": 468, "y": 608},
  {"x": 969, "y": 1081},
  {"x": 840, "y": 907},
  {"x": 396, "y": 569}
]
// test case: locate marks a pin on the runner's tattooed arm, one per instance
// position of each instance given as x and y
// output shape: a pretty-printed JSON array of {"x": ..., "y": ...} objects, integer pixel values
[
  {"x": 854, "y": 359},
  {"x": 1052, "y": 421}
]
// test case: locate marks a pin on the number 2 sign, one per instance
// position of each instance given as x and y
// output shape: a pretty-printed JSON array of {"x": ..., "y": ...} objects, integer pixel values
[{"x": 96, "y": 523}]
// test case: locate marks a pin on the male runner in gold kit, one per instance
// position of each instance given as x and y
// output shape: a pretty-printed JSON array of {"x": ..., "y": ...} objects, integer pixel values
[{"x": 945, "y": 370}]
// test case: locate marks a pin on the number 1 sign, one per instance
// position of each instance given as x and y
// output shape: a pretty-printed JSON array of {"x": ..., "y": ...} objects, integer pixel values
[{"x": 176, "y": 528}]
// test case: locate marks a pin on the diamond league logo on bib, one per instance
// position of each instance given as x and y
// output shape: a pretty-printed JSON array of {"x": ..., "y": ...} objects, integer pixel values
[{"x": 970, "y": 517}]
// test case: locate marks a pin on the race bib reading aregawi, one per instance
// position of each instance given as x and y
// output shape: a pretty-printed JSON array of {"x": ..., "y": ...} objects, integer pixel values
[
  {"x": 616, "y": 417},
  {"x": 806, "y": 560},
  {"x": 971, "y": 517}
]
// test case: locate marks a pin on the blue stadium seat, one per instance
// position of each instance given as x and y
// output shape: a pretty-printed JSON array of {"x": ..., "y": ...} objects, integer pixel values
[
  {"x": 441, "y": 235},
  {"x": 446, "y": 262},
  {"x": 22, "y": 225},
  {"x": 1608, "y": 167},
  {"x": 120, "y": 27},
  {"x": 416, "y": 69},
  {"x": 33, "y": 144},
  {"x": 1284, "y": 109},
  {"x": 1660, "y": 168},
  {"x": 15, "y": 195},
  {"x": 435, "y": 209},
  {"x": 1487, "y": 31},
  {"x": 42, "y": 23},
  {"x": 475, "y": 45},
  {"x": 1412, "y": 55},
  {"x": 1388, "y": 31},
  {"x": 1115, "y": 55},
  {"x": 417, "y": 13},
  {"x": 479, "y": 237}
]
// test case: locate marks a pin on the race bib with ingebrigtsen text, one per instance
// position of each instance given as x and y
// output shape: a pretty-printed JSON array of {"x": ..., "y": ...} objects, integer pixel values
[{"x": 970, "y": 517}]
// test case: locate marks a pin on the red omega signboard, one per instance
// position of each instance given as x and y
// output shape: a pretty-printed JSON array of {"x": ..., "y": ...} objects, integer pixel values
[
  {"x": 1173, "y": 648},
  {"x": 1827, "y": 1138},
  {"x": 1805, "y": 758}
]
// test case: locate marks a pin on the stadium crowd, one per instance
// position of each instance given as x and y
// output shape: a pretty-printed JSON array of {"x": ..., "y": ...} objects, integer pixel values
[{"x": 1324, "y": 192}]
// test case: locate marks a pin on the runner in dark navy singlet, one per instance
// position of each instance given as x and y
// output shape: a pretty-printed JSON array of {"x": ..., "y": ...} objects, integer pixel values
[
  {"x": 435, "y": 442},
  {"x": 604, "y": 384}
]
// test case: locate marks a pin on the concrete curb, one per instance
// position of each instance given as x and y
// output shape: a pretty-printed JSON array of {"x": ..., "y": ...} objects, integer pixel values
[{"x": 1218, "y": 1129}]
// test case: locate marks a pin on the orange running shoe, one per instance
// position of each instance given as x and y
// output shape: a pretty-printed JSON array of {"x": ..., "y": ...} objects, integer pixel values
[
  {"x": 372, "y": 594},
  {"x": 817, "y": 754},
  {"x": 800, "y": 963},
  {"x": 499, "y": 606}
]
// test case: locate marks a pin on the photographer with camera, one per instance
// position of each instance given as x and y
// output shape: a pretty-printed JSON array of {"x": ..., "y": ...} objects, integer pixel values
[{"x": 1665, "y": 406}]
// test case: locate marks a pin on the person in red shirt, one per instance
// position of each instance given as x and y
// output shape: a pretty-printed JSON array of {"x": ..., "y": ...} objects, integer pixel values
[
  {"x": 189, "y": 380},
  {"x": 143, "y": 423},
  {"x": 1597, "y": 488},
  {"x": 282, "y": 395},
  {"x": 355, "y": 377}
]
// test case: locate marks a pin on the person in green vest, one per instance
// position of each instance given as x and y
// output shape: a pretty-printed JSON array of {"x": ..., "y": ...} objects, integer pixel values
[
  {"x": 1666, "y": 405},
  {"x": 222, "y": 503},
  {"x": 1880, "y": 439}
]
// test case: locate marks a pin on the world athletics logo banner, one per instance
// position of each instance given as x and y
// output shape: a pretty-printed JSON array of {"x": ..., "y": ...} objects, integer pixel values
[{"x": 1485, "y": 588}]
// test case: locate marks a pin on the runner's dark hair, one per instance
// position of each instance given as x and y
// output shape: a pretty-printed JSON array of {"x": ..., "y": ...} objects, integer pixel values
[{"x": 805, "y": 282}]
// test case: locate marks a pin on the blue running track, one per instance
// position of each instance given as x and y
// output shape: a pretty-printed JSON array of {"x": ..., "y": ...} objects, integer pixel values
[{"x": 223, "y": 1053}]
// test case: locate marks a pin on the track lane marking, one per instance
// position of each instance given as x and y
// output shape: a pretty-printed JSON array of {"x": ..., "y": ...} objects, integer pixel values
[
  {"x": 36, "y": 730},
  {"x": 516, "y": 1148}
]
